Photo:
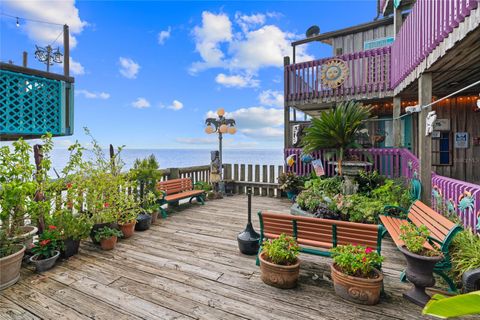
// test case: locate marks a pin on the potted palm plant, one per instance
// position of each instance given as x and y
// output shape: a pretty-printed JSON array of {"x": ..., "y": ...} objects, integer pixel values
[
  {"x": 279, "y": 263},
  {"x": 107, "y": 237},
  {"x": 420, "y": 262},
  {"x": 47, "y": 249},
  {"x": 355, "y": 274},
  {"x": 337, "y": 129}
]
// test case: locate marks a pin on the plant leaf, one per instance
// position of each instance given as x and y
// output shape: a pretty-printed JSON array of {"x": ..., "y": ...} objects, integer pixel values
[{"x": 461, "y": 305}]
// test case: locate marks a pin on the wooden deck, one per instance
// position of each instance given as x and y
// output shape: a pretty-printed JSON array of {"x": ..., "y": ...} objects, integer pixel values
[{"x": 188, "y": 266}]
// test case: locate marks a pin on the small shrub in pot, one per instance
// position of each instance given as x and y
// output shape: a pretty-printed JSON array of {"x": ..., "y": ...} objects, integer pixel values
[
  {"x": 47, "y": 249},
  {"x": 107, "y": 237}
]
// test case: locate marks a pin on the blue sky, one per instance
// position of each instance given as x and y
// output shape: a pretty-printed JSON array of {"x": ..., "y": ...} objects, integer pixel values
[{"x": 147, "y": 73}]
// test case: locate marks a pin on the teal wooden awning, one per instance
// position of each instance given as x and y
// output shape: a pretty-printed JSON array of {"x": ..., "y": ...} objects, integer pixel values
[{"x": 33, "y": 103}]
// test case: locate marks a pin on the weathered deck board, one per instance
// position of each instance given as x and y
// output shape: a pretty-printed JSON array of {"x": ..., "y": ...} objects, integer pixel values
[{"x": 189, "y": 267}]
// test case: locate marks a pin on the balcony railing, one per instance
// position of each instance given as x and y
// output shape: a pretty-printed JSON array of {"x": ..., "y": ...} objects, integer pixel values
[
  {"x": 427, "y": 25},
  {"x": 33, "y": 103},
  {"x": 450, "y": 197},
  {"x": 369, "y": 75}
]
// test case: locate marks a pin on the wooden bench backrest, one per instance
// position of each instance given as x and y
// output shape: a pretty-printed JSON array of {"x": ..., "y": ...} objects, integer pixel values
[
  {"x": 316, "y": 230},
  {"x": 175, "y": 186},
  {"x": 441, "y": 229}
]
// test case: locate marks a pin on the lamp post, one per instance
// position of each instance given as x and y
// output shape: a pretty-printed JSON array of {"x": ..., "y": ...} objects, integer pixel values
[
  {"x": 48, "y": 56},
  {"x": 220, "y": 125}
]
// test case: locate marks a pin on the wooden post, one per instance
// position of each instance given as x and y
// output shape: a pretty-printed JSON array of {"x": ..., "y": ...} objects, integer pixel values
[
  {"x": 25, "y": 59},
  {"x": 174, "y": 173},
  {"x": 66, "y": 51},
  {"x": 397, "y": 21},
  {"x": 286, "y": 108},
  {"x": 425, "y": 142},
  {"x": 397, "y": 123}
]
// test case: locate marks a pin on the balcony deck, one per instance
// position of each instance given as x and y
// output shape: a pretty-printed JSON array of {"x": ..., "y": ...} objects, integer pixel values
[{"x": 188, "y": 266}]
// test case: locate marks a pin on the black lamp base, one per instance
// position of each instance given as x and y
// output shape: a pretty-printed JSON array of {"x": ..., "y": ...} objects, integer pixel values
[{"x": 248, "y": 240}]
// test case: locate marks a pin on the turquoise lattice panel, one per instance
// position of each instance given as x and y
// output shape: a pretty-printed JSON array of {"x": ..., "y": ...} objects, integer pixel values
[{"x": 30, "y": 105}]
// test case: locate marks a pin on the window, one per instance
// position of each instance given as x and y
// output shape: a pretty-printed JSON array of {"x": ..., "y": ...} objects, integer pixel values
[{"x": 442, "y": 148}]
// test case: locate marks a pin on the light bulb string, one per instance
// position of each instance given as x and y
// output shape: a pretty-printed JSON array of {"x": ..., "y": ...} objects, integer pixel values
[
  {"x": 27, "y": 19},
  {"x": 428, "y": 105}
]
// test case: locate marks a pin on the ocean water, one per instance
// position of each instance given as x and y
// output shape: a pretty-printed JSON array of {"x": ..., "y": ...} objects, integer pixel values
[{"x": 178, "y": 158}]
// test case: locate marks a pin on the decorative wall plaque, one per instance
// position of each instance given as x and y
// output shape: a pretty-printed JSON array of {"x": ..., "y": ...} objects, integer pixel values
[{"x": 334, "y": 73}]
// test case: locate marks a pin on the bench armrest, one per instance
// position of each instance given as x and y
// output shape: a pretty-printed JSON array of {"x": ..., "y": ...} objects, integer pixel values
[{"x": 395, "y": 211}]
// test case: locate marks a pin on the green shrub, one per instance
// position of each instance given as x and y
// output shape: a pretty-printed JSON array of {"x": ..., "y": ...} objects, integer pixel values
[
  {"x": 106, "y": 232},
  {"x": 465, "y": 253},
  {"x": 283, "y": 251},
  {"x": 414, "y": 238},
  {"x": 360, "y": 208},
  {"x": 202, "y": 185},
  {"x": 329, "y": 186},
  {"x": 369, "y": 181}
]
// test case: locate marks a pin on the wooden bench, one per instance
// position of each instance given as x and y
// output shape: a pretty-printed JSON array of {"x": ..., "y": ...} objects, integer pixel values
[
  {"x": 177, "y": 189},
  {"x": 317, "y": 236},
  {"x": 441, "y": 230}
]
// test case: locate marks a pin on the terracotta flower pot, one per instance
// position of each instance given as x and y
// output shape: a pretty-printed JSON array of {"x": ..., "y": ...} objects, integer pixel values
[
  {"x": 154, "y": 216},
  {"x": 10, "y": 267},
  {"x": 98, "y": 226},
  {"x": 420, "y": 273},
  {"x": 128, "y": 229},
  {"x": 42, "y": 265},
  {"x": 109, "y": 243},
  {"x": 356, "y": 289},
  {"x": 283, "y": 277}
]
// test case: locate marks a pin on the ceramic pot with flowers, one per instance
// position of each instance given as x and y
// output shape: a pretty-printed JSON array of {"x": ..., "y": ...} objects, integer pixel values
[
  {"x": 355, "y": 274},
  {"x": 107, "y": 237},
  {"x": 47, "y": 249}
]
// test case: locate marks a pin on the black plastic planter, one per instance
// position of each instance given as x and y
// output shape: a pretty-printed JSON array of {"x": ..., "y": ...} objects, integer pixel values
[
  {"x": 143, "y": 222},
  {"x": 70, "y": 248}
]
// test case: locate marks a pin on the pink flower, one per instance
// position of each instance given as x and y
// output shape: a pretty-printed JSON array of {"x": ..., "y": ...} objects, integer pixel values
[
  {"x": 368, "y": 250},
  {"x": 106, "y": 205}
]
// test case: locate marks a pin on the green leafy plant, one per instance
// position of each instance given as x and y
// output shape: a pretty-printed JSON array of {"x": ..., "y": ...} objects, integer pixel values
[
  {"x": 336, "y": 129},
  {"x": 465, "y": 253},
  {"x": 7, "y": 246},
  {"x": 48, "y": 243},
  {"x": 456, "y": 306},
  {"x": 393, "y": 192},
  {"x": 357, "y": 261},
  {"x": 369, "y": 181},
  {"x": 282, "y": 251},
  {"x": 290, "y": 182},
  {"x": 146, "y": 173},
  {"x": 69, "y": 225},
  {"x": 360, "y": 208},
  {"x": 107, "y": 233},
  {"x": 414, "y": 238},
  {"x": 202, "y": 185},
  {"x": 151, "y": 205}
]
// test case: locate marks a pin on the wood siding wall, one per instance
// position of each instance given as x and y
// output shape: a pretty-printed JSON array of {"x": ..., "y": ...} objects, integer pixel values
[{"x": 354, "y": 42}]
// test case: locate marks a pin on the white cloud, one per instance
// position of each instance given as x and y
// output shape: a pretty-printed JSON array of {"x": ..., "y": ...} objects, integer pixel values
[
  {"x": 257, "y": 45},
  {"x": 215, "y": 29},
  {"x": 248, "y": 21},
  {"x": 197, "y": 140},
  {"x": 93, "y": 95},
  {"x": 271, "y": 98},
  {"x": 176, "y": 105},
  {"x": 76, "y": 68},
  {"x": 141, "y": 103},
  {"x": 164, "y": 35},
  {"x": 236, "y": 81},
  {"x": 128, "y": 68},
  {"x": 59, "y": 12},
  {"x": 258, "y": 122}
]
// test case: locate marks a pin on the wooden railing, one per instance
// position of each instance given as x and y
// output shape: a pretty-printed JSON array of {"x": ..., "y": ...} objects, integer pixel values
[
  {"x": 262, "y": 178},
  {"x": 369, "y": 74},
  {"x": 427, "y": 25}
]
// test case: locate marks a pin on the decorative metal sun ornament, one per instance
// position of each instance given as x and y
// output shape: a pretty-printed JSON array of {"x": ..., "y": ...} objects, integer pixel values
[{"x": 334, "y": 73}]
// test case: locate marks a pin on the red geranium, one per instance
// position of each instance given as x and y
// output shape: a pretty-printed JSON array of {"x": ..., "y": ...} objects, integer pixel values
[
  {"x": 69, "y": 185},
  {"x": 106, "y": 205},
  {"x": 43, "y": 243},
  {"x": 52, "y": 227}
]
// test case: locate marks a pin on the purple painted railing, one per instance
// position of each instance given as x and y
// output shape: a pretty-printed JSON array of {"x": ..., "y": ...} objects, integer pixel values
[
  {"x": 369, "y": 72},
  {"x": 449, "y": 196},
  {"x": 427, "y": 25}
]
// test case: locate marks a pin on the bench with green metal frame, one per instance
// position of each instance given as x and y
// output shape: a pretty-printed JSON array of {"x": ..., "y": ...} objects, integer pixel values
[
  {"x": 441, "y": 230},
  {"x": 174, "y": 190},
  {"x": 318, "y": 236}
]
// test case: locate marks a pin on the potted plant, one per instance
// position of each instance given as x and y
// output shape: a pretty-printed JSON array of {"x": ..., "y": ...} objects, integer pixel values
[
  {"x": 279, "y": 263},
  {"x": 17, "y": 192},
  {"x": 47, "y": 250},
  {"x": 107, "y": 237},
  {"x": 420, "y": 262},
  {"x": 11, "y": 255},
  {"x": 337, "y": 129},
  {"x": 151, "y": 206},
  {"x": 290, "y": 183},
  {"x": 355, "y": 274}
]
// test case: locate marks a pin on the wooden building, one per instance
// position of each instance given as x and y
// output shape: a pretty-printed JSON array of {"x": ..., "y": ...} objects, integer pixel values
[{"x": 416, "y": 53}]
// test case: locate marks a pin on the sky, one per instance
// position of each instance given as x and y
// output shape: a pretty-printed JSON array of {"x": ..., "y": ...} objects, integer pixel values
[{"x": 148, "y": 73}]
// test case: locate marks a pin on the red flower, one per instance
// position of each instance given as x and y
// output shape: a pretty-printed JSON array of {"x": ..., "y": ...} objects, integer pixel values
[
  {"x": 368, "y": 250},
  {"x": 69, "y": 185},
  {"x": 44, "y": 242},
  {"x": 106, "y": 205},
  {"x": 69, "y": 205},
  {"x": 364, "y": 259},
  {"x": 52, "y": 227}
]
